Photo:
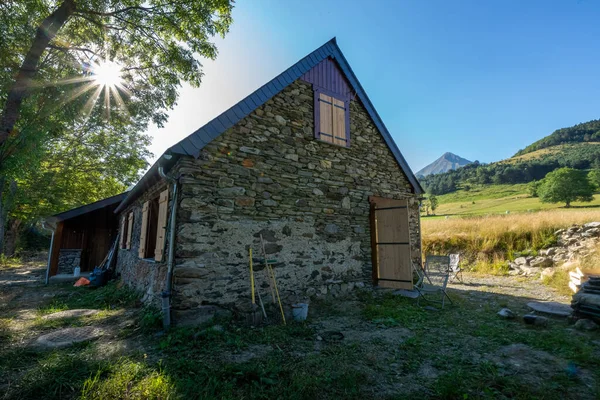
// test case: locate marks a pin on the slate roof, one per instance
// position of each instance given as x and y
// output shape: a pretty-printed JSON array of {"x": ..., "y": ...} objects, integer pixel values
[{"x": 194, "y": 143}]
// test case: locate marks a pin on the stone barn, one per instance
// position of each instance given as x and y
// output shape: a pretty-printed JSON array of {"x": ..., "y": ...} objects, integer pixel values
[{"x": 306, "y": 162}]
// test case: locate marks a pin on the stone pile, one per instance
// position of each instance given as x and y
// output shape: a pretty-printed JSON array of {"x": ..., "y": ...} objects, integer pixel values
[{"x": 574, "y": 242}]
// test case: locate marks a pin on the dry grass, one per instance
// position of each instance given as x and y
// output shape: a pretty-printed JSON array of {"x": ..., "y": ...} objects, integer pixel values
[{"x": 498, "y": 238}]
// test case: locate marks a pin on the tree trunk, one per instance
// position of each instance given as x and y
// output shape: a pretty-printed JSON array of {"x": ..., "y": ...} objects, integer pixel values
[
  {"x": 20, "y": 88},
  {"x": 12, "y": 234}
]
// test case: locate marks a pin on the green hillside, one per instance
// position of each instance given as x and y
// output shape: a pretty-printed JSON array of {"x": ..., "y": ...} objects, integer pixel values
[
  {"x": 498, "y": 199},
  {"x": 580, "y": 133},
  {"x": 575, "y": 147}
]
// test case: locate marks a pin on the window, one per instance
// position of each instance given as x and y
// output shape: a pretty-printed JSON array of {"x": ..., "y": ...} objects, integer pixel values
[
  {"x": 154, "y": 227},
  {"x": 332, "y": 118},
  {"x": 149, "y": 228}
]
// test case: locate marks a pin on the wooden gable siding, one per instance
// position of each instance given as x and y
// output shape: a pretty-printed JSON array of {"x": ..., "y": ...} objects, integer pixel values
[{"x": 327, "y": 75}]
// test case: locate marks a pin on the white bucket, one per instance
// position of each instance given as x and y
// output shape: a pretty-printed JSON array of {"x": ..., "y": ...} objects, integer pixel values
[
  {"x": 77, "y": 271},
  {"x": 300, "y": 311}
]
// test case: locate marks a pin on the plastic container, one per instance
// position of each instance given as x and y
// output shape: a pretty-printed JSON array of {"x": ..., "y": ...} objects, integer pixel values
[
  {"x": 300, "y": 311},
  {"x": 77, "y": 271}
]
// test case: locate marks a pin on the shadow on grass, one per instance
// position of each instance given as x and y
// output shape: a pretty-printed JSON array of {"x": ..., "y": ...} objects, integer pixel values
[{"x": 465, "y": 344}]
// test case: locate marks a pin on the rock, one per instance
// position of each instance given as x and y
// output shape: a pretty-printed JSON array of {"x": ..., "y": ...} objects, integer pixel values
[
  {"x": 547, "y": 273},
  {"x": 558, "y": 232},
  {"x": 506, "y": 313},
  {"x": 551, "y": 307},
  {"x": 521, "y": 261},
  {"x": 317, "y": 192},
  {"x": 69, "y": 336},
  {"x": 548, "y": 252},
  {"x": 232, "y": 191},
  {"x": 529, "y": 271},
  {"x": 78, "y": 313},
  {"x": 592, "y": 225},
  {"x": 280, "y": 120},
  {"x": 249, "y": 150},
  {"x": 513, "y": 266},
  {"x": 586, "y": 325},
  {"x": 535, "y": 320},
  {"x": 331, "y": 229},
  {"x": 541, "y": 262}
]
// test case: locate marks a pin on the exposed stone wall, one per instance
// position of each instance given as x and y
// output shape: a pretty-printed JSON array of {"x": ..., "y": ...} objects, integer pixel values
[
  {"x": 144, "y": 275},
  {"x": 68, "y": 259},
  {"x": 310, "y": 201}
]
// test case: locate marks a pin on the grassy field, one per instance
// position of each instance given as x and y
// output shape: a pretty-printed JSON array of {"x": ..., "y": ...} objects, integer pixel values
[
  {"x": 498, "y": 199},
  {"x": 392, "y": 348},
  {"x": 488, "y": 242}
]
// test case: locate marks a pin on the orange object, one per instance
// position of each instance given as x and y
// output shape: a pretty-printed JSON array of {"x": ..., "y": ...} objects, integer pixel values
[{"x": 82, "y": 282}]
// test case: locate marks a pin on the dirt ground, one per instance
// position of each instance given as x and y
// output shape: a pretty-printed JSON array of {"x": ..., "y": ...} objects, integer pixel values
[{"x": 390, "y": 348}]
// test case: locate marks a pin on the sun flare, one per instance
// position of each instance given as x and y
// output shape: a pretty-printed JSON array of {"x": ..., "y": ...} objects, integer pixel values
[{"x": 107, "y": 73}]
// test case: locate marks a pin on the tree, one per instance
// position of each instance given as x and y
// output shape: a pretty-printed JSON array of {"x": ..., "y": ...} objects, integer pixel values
[
  {"x": 533, "y": 188},
  {"x": 425, "y": 204},
  {"x": 566, "y": 185},
  {"x": 594, "y": 178},
  {"x": 69, "y": 135},
  {"x": 433, "y": 201},
  {"x": 156, "y": 44}
]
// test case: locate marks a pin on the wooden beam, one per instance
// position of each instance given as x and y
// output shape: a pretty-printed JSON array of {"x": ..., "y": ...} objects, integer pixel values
[{"x": 55, "y": 251}]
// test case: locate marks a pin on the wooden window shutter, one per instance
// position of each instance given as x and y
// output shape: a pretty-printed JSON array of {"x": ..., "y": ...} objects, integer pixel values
[
  {"x": 123, "y": 238},
  {"x": 163, "y": 208},
  {"x": 339, "y": 122},
  {"x": 326, "y": 118},
  {"x": 144, "y": 232},
  {"x": 332, "y": 120},
  {"x": 129, "y": 230}
]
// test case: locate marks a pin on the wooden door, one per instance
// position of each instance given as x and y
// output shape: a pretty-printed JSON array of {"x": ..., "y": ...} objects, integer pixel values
[{"x": 392, "y": 265}]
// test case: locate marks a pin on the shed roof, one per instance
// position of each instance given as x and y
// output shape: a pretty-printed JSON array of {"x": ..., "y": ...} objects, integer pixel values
[
  {"x": 194, "y": 143},
  {"x": 76, "y": 212}
]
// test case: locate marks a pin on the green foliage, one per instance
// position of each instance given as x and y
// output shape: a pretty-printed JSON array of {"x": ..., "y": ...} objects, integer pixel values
[
  {"x": 566, "y": 185},
  {"x": 533, "y": 188},
  {"x": 525, "y": 166},
  {"x": 73, "y": 142},
  {"x": 594, "y": 178},
  {"x": 584, "y": 132},
  {"x": 434, "y": 202}
]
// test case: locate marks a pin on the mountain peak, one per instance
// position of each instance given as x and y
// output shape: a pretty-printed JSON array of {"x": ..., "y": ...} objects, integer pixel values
[{"x": 448, "y": 161}]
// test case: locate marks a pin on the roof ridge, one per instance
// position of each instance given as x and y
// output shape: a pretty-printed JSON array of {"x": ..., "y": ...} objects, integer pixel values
[{"x": 195, "y": 142}]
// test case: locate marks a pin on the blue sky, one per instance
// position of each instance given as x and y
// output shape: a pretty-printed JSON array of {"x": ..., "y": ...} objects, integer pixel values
[{"x": 481, "y": 79}]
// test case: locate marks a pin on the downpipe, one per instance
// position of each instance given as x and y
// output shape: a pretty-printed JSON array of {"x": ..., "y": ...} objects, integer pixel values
[
  {"x": 166, "y": 294},
  {"x": 49, "y": 251}
]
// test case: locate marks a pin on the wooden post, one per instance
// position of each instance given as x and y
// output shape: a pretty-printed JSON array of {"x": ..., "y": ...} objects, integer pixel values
[{"x": 55, "y": 251}]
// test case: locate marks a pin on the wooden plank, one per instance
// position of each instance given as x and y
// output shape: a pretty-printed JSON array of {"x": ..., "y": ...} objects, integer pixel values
[
  {"x": 142, "y": 248},
  {"x": 326, "y": 120},
  {"x": 339, "y": 123},
  {"x": 55, "y": 251},
  {"x": 395, "y": 266},
  {"x": 374, "y": 262},
  {"x": 161, "y": 231},
  {"x": 394, "y": 263},
  {"x": 123, "y": 237},
  {"x": 129, "y": 230}
]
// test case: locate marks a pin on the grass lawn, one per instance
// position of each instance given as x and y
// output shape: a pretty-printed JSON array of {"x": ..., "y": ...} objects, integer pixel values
[
  {"x": 392, "y": 348},
  {"x": 498, "y": 199}
]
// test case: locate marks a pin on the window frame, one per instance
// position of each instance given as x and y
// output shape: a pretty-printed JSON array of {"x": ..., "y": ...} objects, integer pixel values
[{"x": 317, "y": 113}]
